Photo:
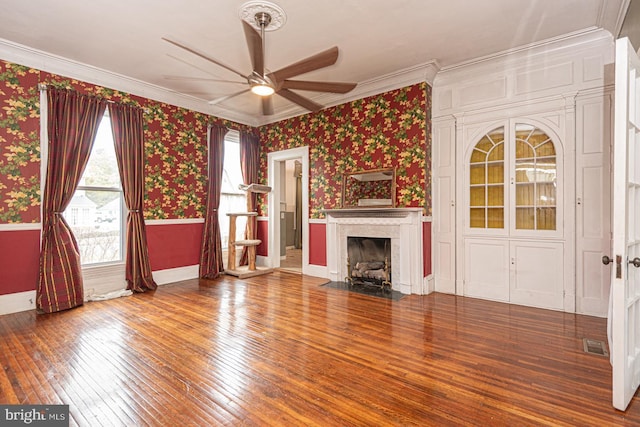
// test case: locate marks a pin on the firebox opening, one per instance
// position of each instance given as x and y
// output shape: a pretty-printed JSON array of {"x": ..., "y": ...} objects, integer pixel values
[{"x": 369, "y": 261}]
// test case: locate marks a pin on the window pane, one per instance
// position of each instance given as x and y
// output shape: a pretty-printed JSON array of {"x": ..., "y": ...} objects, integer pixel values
[
  {"x": 525, "y": 194},
  {"x": 232, "y": 198},
  {"x": 477, "y": 174},
  {"x": 495, "y": 172},
  {"x": 495, "y": 195},
  {"x": 523, "y": 150},
  {"x": 546, "y": 218},
  {"x": 102, "y": 168},
  {"x": 485, "y": 144},
  {"x": 97, "y": 230},
  {"x": 232, "y": 203},
  {"x": 495, "y": 218},
  {"x": 232, "y": 174},
  {"x": 95, "y": 211},
  {"x": 477, "y": 196},
  {"x": 497, "y": 153},
  {"x": 478, "y": 156},
  {"x": 525, "y": 219},
  {"x": 477, "y": 218}
]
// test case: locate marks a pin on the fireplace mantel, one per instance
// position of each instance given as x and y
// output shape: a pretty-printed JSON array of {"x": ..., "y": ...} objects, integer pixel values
[
  {"x": 372, "y": 212},
  {"x": 402, "y": 225}
]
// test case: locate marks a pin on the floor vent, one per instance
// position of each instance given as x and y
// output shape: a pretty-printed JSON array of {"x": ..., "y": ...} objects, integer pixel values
[{"x": 595, "y": 347}]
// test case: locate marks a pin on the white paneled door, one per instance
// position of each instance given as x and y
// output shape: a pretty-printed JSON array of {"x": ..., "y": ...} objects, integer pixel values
[
  {"x": 624, "y": 319},
  {"x": 537, "y": 270}
]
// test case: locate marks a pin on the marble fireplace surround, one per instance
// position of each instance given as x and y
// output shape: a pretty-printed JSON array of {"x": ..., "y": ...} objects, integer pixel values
[{"x": 402, "y": 225}]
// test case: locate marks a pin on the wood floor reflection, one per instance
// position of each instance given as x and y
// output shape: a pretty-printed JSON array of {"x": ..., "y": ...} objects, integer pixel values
[{"x": 280, "y": 349}]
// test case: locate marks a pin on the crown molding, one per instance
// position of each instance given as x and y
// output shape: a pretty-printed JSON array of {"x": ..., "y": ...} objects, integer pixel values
[
  {"x": 424, "y": 72},
  {"x": 545, "y": 48},
  {"x": 44, "y": 61}
]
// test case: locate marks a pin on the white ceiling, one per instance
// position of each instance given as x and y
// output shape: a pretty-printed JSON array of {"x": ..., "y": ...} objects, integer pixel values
[{"x": 383, "y": 44}]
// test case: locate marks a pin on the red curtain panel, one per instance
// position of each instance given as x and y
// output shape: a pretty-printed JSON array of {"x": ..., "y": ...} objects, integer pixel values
[
  {"x": 249, "y": 163},
  {"x": 128, "y": 135},
  {"x": 72, "y": 124},
  {"x": 211, "y": 264}
]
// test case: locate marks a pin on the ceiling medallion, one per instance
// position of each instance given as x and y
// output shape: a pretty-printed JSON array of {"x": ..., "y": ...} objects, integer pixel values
[{"x": 250, "y": 9}]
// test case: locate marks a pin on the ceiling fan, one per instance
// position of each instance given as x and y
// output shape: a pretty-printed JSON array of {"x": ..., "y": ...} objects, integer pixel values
[{"x": 265, "y": 84}]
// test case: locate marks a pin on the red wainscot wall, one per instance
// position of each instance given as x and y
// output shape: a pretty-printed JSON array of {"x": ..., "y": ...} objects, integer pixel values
[
  {"x": 174, "y": 245},
  {"x": 426, "y": 248},
  {"x": 19, "y": 260},
  {"x": 318, "y": 244}
]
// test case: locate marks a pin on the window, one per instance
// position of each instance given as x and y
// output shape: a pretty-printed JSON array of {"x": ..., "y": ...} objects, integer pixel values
[
  {"x": 232, "y": 199},
  {"x": 95, "y": 213},
  {"x": 533, "y": 166}
]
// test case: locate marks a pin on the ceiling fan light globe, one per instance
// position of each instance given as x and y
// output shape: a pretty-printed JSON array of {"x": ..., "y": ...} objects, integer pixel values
[{"x": 262, "y": 90}]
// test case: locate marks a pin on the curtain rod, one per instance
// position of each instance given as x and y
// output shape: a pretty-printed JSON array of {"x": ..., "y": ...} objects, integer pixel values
[{"x": 44, "y": 86}]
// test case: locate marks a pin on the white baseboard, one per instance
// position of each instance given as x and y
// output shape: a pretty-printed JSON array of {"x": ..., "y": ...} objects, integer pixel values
[
  {"x": 170, "y": 275},
  {"x": 428, "y": 285},
  {"x": 20, "y": 301},
  {"x": 97, "y": 283},
  {"x": 315, "y": 270}
]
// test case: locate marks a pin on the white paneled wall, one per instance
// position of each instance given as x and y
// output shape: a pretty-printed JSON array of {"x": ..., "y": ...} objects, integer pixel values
[{"x": 565, "y": 85}]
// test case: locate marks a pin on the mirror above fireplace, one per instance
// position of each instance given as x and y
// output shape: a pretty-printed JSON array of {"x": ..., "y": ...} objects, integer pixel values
[{"x": 374, "y": 188}]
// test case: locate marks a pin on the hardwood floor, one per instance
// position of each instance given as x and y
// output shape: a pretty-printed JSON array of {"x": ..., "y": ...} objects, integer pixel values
[
  {"x": 280, "y": 349},
  {"x": 293, "y": 261}
]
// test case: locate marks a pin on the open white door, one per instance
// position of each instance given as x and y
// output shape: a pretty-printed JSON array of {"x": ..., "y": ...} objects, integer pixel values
[{"x": 624, "y": 319}]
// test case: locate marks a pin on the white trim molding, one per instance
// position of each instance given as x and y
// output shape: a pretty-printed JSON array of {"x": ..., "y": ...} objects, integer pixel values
[
  {"x": 174, "y": 221},
  {"x": 16, "y": 302},
  {"x": 21, "y": 227},
  {"x": 171, "y": 275},
  {"x": 274, "y": 161}
]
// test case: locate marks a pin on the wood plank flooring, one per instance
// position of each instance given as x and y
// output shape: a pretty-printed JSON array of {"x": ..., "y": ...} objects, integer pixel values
[{"x": 280, "y": 350}]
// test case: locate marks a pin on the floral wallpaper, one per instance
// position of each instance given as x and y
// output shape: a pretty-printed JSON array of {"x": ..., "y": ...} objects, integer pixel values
[
  {"x": 382, "y": 131},
  {"x": 387, "y": 130},
  {"x": 19, "y": 144},
  {"x": 175, "y": 145}
]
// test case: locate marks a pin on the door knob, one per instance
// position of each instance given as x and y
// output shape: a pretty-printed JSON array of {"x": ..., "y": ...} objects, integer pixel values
[
  {"x": 635, "y": 262},
  {"x": 606, "y": 260}
]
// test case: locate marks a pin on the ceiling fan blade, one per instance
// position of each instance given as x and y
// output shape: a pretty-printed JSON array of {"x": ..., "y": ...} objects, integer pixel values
[
  {"x": 333, "y": 87},
  {"x": 317, "y": 61},
  {"x": 300, "y": 100},
  {"x": 192, "y": 65},
  {"x": 254, "y": 42},
  {"x": 206, "y": 79},
  {"x": 204, "y": 56},
  {"x": 267, "y": 105},
  {"x": 224, "y": 98}
]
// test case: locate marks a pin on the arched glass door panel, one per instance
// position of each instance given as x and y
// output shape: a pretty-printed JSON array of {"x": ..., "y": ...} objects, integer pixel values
[
  {"x": 535, "y": 179},
  {"x": 486, "y": 181}
]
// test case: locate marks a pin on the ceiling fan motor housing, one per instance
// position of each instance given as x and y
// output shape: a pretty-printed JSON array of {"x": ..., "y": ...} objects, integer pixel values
[{"x": 263, "y": 19}]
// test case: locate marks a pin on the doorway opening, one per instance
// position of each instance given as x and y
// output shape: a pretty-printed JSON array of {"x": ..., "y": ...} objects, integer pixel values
[
  {"x": 289, "y": 210},
  {"x": 291, "y": 216}
]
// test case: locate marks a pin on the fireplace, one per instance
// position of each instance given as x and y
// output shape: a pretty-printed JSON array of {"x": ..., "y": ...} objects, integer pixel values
[
  {"x": 369, "y": 261},
  {"x": 402, "y": 227}
]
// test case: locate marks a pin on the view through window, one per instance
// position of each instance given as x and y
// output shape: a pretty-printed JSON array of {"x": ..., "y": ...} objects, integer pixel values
[
  {"x": 232, "y": 199},
  {"x": 95, "y": 212}
]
